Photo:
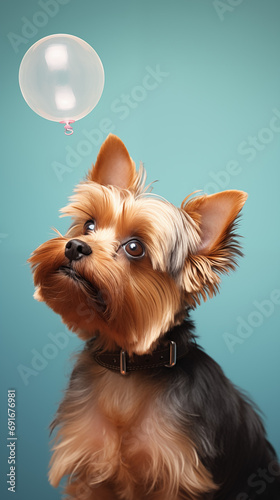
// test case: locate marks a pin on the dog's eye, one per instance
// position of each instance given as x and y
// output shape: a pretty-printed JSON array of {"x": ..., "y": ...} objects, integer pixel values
[
  {"x": 90, "y": 225},
  {"x": 134, "y": 248}
]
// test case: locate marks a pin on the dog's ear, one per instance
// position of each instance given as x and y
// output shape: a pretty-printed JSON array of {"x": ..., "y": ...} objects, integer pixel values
[
  {"x": 215, "y": 216},
  {"x": 113, "y": 165}
]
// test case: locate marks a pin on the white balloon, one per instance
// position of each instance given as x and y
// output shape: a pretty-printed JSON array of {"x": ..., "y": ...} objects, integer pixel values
[{"x": 61, "y": 77}]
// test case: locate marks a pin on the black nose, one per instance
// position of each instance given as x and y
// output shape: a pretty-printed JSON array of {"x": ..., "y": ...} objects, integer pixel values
[{"x": 76, "y": 249}]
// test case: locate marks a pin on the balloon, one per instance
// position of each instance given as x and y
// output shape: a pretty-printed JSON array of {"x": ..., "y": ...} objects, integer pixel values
[{"x": 61, "y": 78}]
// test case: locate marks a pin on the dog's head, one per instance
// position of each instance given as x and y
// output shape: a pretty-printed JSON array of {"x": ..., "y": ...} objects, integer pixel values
[{"x": 132, "y": 262}]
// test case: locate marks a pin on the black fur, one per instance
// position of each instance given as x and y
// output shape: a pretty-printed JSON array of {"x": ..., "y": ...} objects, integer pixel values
[{"x": 224, "y": 423}]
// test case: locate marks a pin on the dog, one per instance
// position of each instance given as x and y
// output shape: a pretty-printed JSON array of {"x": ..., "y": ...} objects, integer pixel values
[{"x": 147, "y": 414}]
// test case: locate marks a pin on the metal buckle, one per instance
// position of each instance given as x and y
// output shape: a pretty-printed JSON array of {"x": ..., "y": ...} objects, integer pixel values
[
  {"x": 123, "y": 367},
  {"x": 172, "y": 354}
]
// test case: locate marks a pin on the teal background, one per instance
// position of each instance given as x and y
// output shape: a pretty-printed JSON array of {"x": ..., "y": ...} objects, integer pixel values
[{"x": 222, "y": 86}]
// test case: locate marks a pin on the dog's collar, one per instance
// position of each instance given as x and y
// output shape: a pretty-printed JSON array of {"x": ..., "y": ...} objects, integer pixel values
[{"x": 163, "y": 356}]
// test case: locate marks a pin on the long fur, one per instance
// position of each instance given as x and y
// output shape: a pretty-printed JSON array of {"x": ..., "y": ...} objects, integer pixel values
[{"x": 167, "y": 433}]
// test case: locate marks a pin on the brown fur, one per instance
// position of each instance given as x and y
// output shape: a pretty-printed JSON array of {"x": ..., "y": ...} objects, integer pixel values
[
  {"x": 106, "y": 431},
  {"x": 117, "y": 437}
]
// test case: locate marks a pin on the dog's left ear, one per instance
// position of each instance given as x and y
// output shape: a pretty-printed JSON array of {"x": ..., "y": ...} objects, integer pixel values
[
  {"x": 113, "y": 165},
  {"x": 215, "y": 216}
]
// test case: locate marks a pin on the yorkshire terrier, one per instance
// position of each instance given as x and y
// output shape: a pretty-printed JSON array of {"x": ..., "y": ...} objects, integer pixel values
[{"x": 147, "y": 414}]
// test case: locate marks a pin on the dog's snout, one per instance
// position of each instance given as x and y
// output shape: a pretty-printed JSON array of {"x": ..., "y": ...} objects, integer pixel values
[{"x": 76, "y": 249}]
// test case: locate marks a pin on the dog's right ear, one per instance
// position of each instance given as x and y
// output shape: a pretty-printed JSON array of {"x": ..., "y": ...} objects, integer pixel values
[{"x": 113, "y": 165}]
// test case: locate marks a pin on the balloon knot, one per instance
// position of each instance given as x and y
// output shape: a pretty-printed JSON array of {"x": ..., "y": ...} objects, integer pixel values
[{"x": 68, "y": 130}]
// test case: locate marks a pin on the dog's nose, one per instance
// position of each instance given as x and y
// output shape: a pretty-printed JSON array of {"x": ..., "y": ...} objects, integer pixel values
[{"x": 76, "y": 249}]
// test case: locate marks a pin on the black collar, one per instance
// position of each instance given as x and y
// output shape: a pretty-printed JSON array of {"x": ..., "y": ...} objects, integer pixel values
[{"x": 175, "y": 345}]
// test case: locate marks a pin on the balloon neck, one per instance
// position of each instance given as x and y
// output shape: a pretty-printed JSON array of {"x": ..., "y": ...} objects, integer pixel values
[{"x": 68, "y": 130}]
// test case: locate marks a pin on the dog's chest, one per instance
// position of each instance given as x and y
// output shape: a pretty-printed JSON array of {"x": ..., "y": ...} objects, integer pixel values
[
  {"x": 129, "y": 411},
  {"x": 124, "y": 433},
  {"x": 132, "y": 432}
]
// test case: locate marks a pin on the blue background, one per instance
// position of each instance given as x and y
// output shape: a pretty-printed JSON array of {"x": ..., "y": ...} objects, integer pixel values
[{"x": 221, "y": 86}]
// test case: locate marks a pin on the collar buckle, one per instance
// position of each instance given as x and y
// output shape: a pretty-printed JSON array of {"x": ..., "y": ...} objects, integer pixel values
[
  {"x": 123, "y": 363},
  {"x": 172, "y": 354}
]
